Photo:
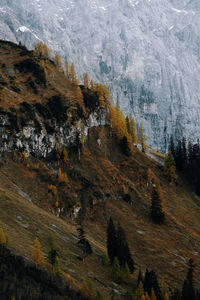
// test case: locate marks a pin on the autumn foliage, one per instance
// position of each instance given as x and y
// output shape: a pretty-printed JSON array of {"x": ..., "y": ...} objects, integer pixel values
[{"x": 37, "y": 254}]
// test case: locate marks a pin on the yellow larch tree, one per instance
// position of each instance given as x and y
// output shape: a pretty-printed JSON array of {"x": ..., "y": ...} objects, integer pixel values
[
  {"x": 58, "y": 61},
  {"x": 38, "y": 257},
  {"x": 2, "y": 237},
  {"x": 86, "y": 80},
  {"x": 73, "y": 75}
]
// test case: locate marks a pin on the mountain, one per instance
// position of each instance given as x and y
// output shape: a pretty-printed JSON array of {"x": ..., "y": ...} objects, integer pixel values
[
  {"x": 63, "y": 167},
  {"x": 147, "y": 52}
]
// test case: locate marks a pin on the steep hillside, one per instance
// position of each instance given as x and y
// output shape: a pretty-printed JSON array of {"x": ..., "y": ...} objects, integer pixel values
[
  {"x": 132, "y": 46},
  {"x": 62, "y": 165}
]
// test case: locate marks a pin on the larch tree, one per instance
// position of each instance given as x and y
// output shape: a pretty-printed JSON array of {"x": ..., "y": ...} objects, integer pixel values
[
  {"x": 73, "y": 75},
  {"x": 142, "y": 138},
  {"x": 86, "y": 80},
  {"x": 2, "y": 237},
  {"x": 38, "y": 257},
  {"x": 170, "y": 167},
  {"x": 133, "y": 129},
  {"x": 58, "y": 61},
  {"x": 67, "y": 71}
]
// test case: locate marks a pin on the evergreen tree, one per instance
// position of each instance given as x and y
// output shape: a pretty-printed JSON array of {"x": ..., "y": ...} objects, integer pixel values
[
  {"x": 56, "y": 267},
  {"x": 188, "y": 290},
  {"x": 111, "y": 240},
  {"x": 140, "y": 278},
  {"x": 123, "y": 252},
  {"x": 107, "y": 260},
  {"x": 126, "y": 146},
  {"x": 52, "y": 253},
  {"x": 157, "y": 213},
  {"x": 116, "y": 269},
  {"x": 151, "y": 283},
  {"x": 169, "y": 167}
]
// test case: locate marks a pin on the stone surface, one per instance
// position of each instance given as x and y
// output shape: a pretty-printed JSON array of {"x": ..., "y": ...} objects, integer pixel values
[{"x": 147, "y": 51}]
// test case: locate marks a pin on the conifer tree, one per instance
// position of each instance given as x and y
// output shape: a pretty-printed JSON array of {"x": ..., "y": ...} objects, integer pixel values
[
  {"x": 2, "y": 237},
  {"x": 38, "y": 257},
  {"x": 107, "y": 260},
  {"x": 86, "y": 80},
  {"x": 153, "y": 295},
  {"x": 58, "y": 61},
  {"x": 133, "y": 129},
  {"x": 142, "y": 138},
  {"x": 140, "y": 278},
  {"x": 67, "y": 71},
  {"x": 111, "y": 240},
  {"x": 56, "y": 267},
  {"x": 147, "y": 296},
  {"x": 116, "y": 269},
  {"x": 125, "y": 273},
  {"x": 123, "y": 252},
  {"x": 188, "y": 290},
  {"x": 99, "y": 296},
  {"x": 140, "y": 290},
  {"x": 169, "y": 167},
  {"x": 65, "y": 155},
  {"x": 73, "y": 75},
  {"x": 126, "y": 146},
  {"x": 157, "y": 197},
  {"x": 128, "y": 124},
  {"x": 52, "y": 252}
]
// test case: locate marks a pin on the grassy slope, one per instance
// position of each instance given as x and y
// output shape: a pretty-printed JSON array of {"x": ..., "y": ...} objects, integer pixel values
[{"x": 165, "y": 248}]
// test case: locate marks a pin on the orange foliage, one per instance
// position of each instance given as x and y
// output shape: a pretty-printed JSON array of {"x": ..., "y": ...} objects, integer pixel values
[{"x": 38, "y": 257}]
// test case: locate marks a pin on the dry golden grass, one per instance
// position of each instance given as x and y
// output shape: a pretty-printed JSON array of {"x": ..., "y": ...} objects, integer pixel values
[{"x": 110, "y": 175}]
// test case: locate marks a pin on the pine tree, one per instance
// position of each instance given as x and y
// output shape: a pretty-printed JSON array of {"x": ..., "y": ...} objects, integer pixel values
[
  {"x": 157, "y": 197},
  {"x": 52, "y": 254},
  {"x": 99, "y": 296},
  {"x": 38, "y": 257},
  {"x": 111, "y": 240},
  {"x": 116, "y": 269},
  {"x": 123, "y": 252},
  {"x": 142, "y": 138},
  {"x": 169, "y": 167},
  {"x": 125, "y": 145},
  {"x": 140, "y": 278},
  {"x": 107, "y": 260},
  {"x": 188, "y": 290},
  {"x": 125, "y": 273},
  {"x": 56, "y": 267}
]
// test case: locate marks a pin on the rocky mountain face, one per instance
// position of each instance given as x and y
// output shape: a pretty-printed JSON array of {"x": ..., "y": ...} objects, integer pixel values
[{"x": 146, "y": 51}]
